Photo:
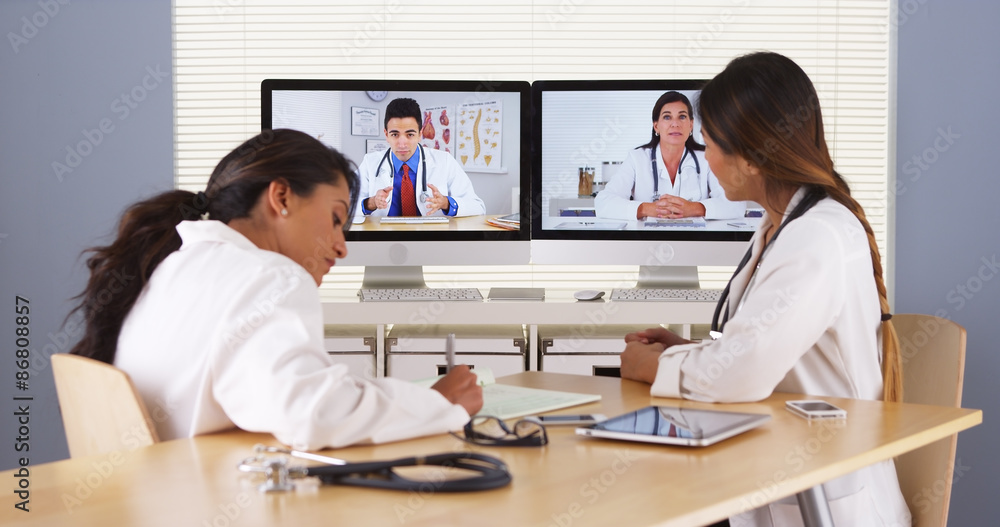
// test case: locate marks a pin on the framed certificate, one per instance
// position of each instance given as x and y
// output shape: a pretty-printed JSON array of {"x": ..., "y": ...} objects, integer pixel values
[
  {"x": 376, "y": 145},
  {"x": 364, "y": 121}
]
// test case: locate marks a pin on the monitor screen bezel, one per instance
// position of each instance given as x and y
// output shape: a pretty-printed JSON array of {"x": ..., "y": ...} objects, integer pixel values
[
  {"x": 485, "y": 87},
  {"x": 538, "y": 89}
]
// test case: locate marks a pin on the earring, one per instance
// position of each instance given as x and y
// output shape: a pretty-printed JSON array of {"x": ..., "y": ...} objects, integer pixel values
[
  {"x": 284, "y": 212},
  {"x": 657, "y": 134}
]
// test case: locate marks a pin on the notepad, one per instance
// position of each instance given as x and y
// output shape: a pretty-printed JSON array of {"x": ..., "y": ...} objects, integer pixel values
[
  {"x": 510, "y": 222},
  {"x": 507, "y": 402}
]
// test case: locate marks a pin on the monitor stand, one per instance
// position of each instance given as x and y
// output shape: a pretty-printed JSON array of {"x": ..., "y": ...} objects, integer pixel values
[
  {"x": 668, "y": 277},
  {"x": 393, "y": 277}
]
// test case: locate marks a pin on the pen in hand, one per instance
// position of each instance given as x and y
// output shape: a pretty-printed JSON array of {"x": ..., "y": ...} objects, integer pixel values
[{"x": 449, "y": 352}]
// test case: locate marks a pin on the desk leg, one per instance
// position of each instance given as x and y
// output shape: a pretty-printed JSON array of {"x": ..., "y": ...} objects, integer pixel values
[
  {"x": 814, "y": 507},
  {"x": 533, "y": 350},
  {"x": 380, "y": 350}
]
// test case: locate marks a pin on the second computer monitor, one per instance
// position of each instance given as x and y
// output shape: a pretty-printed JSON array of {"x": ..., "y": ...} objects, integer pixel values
[{"x": 605, "y": 155}]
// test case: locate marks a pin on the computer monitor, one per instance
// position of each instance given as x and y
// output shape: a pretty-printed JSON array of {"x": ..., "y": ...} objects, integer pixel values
[
  {"x": 474, "y": 139},
  {"x": 590, "y": 174}
]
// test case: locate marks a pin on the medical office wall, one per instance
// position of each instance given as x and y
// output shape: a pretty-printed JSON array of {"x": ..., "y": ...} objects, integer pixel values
[{"x": 223, "y": 50}]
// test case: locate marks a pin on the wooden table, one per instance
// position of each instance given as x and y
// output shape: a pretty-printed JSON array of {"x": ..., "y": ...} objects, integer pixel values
[
  {"x": 574, "y": 481},
  {"x": 460, "y": 223}
]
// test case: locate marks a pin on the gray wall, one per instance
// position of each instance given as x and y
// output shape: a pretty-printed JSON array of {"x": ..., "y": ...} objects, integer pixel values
[
  {"x": 948, "y": 218},
  {"x": 58, "y": 85}
]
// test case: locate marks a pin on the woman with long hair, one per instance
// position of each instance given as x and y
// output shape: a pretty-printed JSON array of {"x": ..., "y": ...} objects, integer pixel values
[
  {"x": 806, "y": 310},
  {"x": 667, "y": 177},
  {"x": 210, "y": 302}
]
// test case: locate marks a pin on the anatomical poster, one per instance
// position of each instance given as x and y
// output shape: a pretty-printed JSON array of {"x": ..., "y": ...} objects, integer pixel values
[
  {"x": 479, "y": 141},
  {"x": 437, "y": 129}
]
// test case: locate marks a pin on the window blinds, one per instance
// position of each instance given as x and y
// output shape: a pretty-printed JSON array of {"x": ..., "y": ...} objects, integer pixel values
[{"x": 224, "y": 48}]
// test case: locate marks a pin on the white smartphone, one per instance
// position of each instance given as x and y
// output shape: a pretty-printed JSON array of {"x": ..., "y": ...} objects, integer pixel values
[
  {"x": 576, "y": 419},
  {"x": 815, "y": 409}
]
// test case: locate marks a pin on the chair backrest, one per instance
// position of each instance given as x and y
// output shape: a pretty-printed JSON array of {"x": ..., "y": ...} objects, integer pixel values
[
  {"x": 933, "y": 351},
  {"x": 101, "y": 410}
]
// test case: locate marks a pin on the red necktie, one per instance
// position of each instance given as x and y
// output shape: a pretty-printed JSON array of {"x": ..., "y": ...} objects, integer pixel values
[{"x": 407, "y": 199}]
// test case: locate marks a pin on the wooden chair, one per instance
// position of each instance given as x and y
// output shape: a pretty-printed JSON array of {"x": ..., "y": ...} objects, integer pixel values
[
  {"x": 101, "y": 410},
  {"x": 933, "y": 351}
]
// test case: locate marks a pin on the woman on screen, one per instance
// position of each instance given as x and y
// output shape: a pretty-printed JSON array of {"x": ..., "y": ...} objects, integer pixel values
[
  {"x": 806, "y": 310},
  {"x": 218, "y": 319},
  {"x": 668, "y": 176}
]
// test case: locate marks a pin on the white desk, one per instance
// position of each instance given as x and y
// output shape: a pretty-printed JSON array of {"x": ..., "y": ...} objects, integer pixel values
[
  {"x": 462, "y": 223},
  {"x": 585, "y": 222},
  {"x": 559, "y": 307}
]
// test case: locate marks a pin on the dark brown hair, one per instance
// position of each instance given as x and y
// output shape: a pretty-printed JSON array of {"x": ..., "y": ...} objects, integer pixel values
[
  {"x": 147, "y": 231},
  {"x": 401, "y": 108},
  {"x": 764, "y": 108}
]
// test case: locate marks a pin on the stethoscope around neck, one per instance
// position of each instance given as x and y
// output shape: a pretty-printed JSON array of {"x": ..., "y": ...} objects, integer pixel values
[
  {"x": 656, "y": 175},
  {"x": 424, "y": 196},
  {"x": 811, "y": 198}
]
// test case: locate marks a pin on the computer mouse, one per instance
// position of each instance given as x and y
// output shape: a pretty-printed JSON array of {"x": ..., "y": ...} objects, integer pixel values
[{"x": 588, "y": 294}]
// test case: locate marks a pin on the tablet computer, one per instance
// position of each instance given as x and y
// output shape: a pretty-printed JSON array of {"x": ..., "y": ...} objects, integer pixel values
[{"x": 673, "y": 425}]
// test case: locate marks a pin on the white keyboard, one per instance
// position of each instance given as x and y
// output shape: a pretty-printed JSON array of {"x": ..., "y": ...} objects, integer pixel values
[
  {"x": 666, "y": 295},
  {"x": 414, "y": 219},
  {"x": 421, "y": 295}
]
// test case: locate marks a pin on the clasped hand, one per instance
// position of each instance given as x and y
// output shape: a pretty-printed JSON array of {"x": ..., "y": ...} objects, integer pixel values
[
  {"x": 641, "y": 357},
  {"x": 669, "y": 206}
]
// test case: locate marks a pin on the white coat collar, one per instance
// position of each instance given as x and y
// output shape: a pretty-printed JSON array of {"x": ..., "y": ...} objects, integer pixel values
[
  {"x": 193, "y": 232},
  {"x": 742, "y": 280}
]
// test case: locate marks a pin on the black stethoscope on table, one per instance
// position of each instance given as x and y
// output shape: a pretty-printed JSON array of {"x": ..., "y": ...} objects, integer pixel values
[
  {"x": 488, "y": 472},
  {"x": 656, "y": 175},
  {"x": 811, "y": 198},
  {"x": 424, "y": 195}
]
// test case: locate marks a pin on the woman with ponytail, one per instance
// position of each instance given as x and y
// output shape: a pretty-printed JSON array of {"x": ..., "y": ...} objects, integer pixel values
[
  {"x": 806, "y": 310},
  {"x": 210, "y": 302}
]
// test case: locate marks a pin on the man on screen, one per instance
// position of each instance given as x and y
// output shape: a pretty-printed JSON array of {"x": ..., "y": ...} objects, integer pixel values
[{"x": 409, "y": 180}]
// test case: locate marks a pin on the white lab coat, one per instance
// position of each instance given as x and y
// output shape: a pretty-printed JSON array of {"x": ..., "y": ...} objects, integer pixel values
[
  {"x": 809, "y": 323},
  {"x": 632, "y": 185},
  {"x": 229, "y": 335},
  {"x": 442, "y": 171}
]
